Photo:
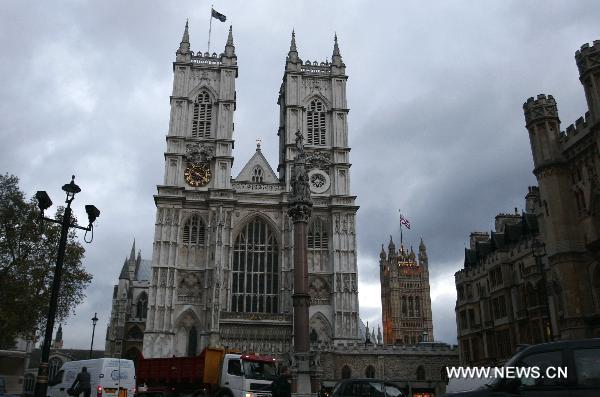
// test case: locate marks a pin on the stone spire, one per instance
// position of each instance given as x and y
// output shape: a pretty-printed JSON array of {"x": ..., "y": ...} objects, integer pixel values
[
  {"x": 336, "y": 58},
  {"x": 293, "y": 52},
  {"x": 229, "y": 47},
  {"x": 391, "y": 248},
  {"x": 183, "y": 52},
  {"x": 423, "y": 261},
  {"x": 379, "y": 336}
]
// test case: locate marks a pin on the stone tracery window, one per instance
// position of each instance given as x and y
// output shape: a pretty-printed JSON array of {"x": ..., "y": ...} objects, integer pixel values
[
  {"x": 318, "y": 244},
  {"x": 142, "y": 306},
  {"x": 315, "y": 122},
  {"x": 194, "y": 231},
  {"x": 257, "y": 174},
  {"x": 255, "y": 278},
  {"x": 201, "y": 118}
]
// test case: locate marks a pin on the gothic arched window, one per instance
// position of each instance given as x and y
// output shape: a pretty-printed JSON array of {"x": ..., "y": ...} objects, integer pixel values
[
  {"x": 411, "y": 308},
  {"x": 318, "y": 244},
  {"x": 315, "y": 123},
  {"x": 370, "y": 372},
  {"x": 194, "y": 231},
  {"x": 202, "y": 116},
  {"x": 404, "y": 311},
  {"x": 420, "y": 373},
  {"x": 255, "y": 278},
  {"x": 141, "y": 309},
  {"x": 192, "y": 342},
  {"x": 257, "y": 174},
  {"x": 346, "y": 372},
  {"x": 135, "y": 333}
]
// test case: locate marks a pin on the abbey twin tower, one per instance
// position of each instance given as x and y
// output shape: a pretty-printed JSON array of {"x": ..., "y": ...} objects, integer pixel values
[{"x": 222, "y": 254}]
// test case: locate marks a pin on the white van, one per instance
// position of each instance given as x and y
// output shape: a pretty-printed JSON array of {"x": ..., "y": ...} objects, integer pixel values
[{"x": 109, "y": 377}]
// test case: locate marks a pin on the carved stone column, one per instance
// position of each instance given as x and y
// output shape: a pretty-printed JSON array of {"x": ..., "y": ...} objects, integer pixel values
[{"x": 300, "y": 209}]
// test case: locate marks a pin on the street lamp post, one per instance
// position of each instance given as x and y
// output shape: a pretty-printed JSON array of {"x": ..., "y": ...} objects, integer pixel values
[
  {"x": 94, "y": 321},
  {"x": 44, "y": 202}
]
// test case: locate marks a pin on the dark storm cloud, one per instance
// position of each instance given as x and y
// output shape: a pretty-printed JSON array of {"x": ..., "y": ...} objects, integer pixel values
[{"x": 435, "y": 93}]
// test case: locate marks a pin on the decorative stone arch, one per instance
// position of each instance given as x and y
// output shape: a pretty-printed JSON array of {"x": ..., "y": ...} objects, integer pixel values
[
  {"x": 239, "y": 225},
  {"x": 214, "y": 96},
  {"x": 135, "y": 333},
  {"x": 321, "y": 325},
  {"x": 312, "y": 96},
  {"x": 187, "y": 326},
  {"x": 133, "y": 354}
]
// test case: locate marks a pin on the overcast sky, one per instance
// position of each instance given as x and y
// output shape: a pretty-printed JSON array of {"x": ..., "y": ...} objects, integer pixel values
[{"x": 436, "y": 125}]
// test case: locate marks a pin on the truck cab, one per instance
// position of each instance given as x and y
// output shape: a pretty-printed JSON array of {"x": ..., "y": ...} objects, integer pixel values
[{"x": 244, "y": 375}]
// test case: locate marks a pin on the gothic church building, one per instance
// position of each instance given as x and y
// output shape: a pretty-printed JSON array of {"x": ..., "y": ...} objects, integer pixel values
[{"x": 222, "y": 259}]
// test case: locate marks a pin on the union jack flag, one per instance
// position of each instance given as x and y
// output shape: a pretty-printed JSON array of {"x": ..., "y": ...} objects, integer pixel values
[{"x": 404, "y": 221}]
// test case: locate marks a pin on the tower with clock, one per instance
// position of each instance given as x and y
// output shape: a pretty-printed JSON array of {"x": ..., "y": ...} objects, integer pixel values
[{"x": 222, "y": 260}]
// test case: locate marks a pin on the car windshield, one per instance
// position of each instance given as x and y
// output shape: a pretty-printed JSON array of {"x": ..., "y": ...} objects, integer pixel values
[{"x": 259, "y": 370}]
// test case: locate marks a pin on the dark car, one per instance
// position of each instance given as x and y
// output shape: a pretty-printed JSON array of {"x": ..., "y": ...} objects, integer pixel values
[
  {"x": 366, "y": 388},
  {"x": 580, "y": 358}
]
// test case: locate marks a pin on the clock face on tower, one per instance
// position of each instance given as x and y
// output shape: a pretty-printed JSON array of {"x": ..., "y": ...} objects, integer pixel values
[{"x": 197, "y": 175}]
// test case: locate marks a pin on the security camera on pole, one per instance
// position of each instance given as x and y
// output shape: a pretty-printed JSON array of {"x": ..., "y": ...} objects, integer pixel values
[{"x": 44, "y": 202}]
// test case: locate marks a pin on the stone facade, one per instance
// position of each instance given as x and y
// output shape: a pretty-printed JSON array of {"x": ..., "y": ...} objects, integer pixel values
[
  {"x": 501, "y": 297},
  {"x": 417, "y": 368},
  {"x": 405, "y": 298},
  {"x": 222, "y": 258},
  {"x": 125, "y": 332},
  {"x": 554, "y": 294}
]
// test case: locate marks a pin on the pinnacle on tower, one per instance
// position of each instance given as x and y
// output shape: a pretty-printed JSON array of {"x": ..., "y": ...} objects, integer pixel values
[
  {"x": 132, "y": 255},
  {"x": 422, "y": 245},
  {"x": 336, "y": 58},
  {"x": 382, "y": 253},
  {"x": 184, "y": 46},
  {"x": 293, "y": 52},
  {"x": 392, "y": 247},
  {"x": 229, "y": 47}
]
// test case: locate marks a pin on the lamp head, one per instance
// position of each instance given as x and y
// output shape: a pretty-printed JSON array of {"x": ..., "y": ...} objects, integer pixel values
[
  {"x": 92, "y": 212},
  {"x": 95, "y": 318},
  {"x": 71, "y": 189},
  {"x": 43, "y": 200}
]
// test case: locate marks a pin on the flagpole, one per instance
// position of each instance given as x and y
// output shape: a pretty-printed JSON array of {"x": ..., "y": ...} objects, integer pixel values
[
  {"x": 401, "y": 241},
  {"x": 210, "y": 27}
]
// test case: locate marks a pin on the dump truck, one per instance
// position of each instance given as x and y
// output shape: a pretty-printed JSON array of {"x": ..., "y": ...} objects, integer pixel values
[{"x": 214, "y": 373}]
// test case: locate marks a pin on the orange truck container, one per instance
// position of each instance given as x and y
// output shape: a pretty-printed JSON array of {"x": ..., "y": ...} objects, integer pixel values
[{"x": 215, "y": 372}]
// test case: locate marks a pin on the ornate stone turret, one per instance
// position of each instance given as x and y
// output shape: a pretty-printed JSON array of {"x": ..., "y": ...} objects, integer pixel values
[
  {"x": 588, "y": 63},
  {"x": 183, "y": 53},
  {"x": 382, "y": 254},
  {"x": 391, "y": 248},
  {"x": 423, "y": 260},
  {"x": 543, "y": 124}
]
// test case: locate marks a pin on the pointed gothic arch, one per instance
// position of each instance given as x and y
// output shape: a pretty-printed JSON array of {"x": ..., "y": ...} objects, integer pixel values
[
  {"x": 420, "y": 373},
  {"x": 255, "y": 268},
  {"x": 135, "y": 333},
  {"x": 319, "y": 323},
  {"x": 194, "y": 231},
  {"x": 185, "y": 322}
]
